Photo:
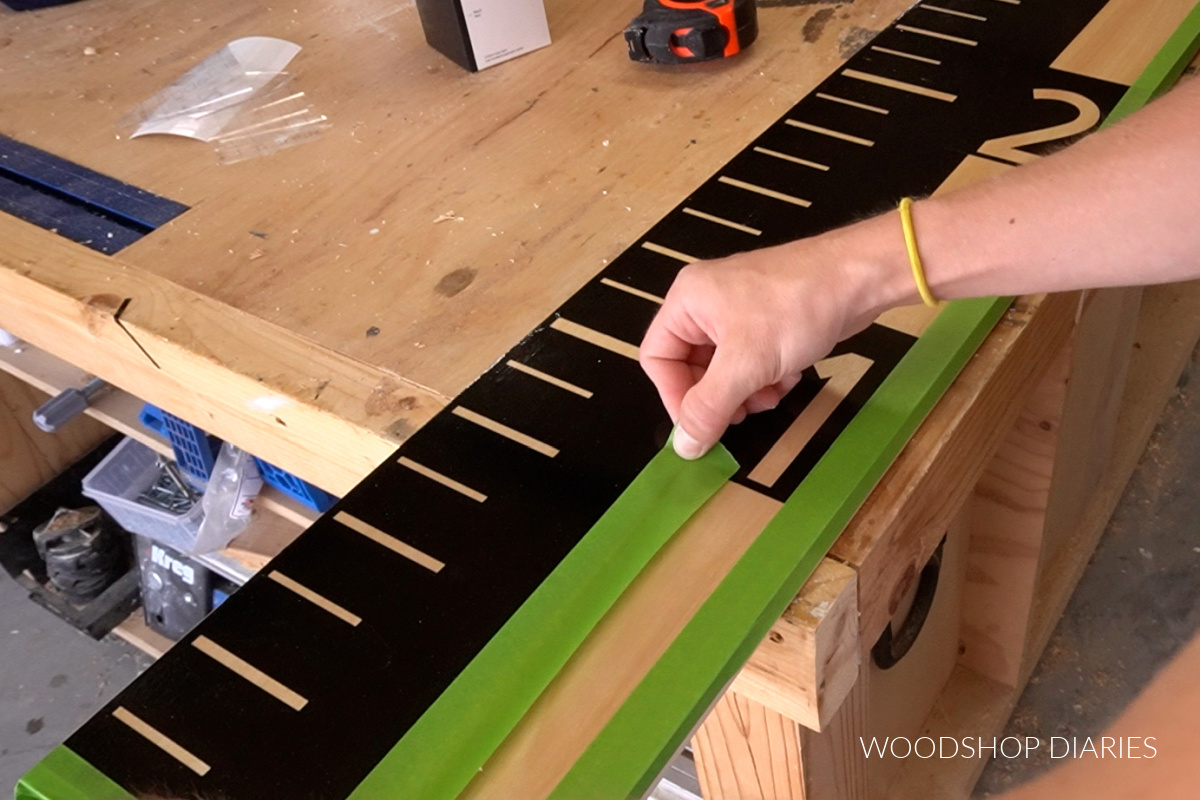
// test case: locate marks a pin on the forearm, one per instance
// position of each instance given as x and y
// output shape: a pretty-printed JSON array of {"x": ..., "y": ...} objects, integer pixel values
[
  {"x": 1119, "y": 208},
  {"x": 1122, "y": 207}
]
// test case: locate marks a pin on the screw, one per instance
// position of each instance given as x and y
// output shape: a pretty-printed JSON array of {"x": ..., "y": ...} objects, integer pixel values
[
  {"x": 172, "y": 472},
  {"x": 169, "y": 492}
]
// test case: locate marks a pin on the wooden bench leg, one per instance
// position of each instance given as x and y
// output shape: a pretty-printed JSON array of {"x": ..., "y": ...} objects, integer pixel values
[
  {"x": 746, "y": 751},
  {"x": 29, "y": 457}
]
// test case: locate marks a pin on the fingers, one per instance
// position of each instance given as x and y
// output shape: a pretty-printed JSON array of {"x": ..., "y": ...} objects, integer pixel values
[
  {"x": 672, "y": 378},
  {"x": 715, "y": 401},
  {"x": 673, "y": 354},
  {"x": 769, "y": 397},
  {"x": 713, "y": 353}
]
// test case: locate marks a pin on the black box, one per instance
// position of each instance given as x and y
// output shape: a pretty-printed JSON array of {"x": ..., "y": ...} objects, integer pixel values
[{"x": 29, "y": 5}]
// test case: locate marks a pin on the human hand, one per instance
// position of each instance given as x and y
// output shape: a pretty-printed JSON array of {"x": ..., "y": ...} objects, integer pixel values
[{"x": 734, "y": 334}]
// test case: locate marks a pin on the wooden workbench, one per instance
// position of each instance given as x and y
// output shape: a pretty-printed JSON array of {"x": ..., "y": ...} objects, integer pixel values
[
  {"x": 452, "y": 212},
  {"x": 540, "y": 172}
]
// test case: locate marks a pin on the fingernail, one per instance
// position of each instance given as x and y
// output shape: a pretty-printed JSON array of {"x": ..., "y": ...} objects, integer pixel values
[{"x": 686, "y": 446}]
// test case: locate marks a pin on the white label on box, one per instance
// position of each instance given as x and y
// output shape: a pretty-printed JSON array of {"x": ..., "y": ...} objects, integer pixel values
[{"x": 504, "y": 29}]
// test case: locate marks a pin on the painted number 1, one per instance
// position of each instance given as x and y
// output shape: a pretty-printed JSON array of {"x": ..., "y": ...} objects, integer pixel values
[{"x": 843, "y": 373}]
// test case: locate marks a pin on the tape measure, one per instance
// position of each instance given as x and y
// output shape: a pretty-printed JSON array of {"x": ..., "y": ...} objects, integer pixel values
[{"x": 684, "y": 31}]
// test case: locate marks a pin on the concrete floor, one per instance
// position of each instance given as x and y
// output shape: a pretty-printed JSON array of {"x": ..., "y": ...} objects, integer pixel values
[
  {"x": 52, "y": 678},
  {"x": 1136, "y": 606}
]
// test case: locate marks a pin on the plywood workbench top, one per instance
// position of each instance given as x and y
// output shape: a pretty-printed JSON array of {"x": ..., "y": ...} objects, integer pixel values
[{"x": 450, "y": 211}]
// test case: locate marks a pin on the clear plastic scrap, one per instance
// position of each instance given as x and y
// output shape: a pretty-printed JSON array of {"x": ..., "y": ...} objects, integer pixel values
[{"x": 240, "y": 98}]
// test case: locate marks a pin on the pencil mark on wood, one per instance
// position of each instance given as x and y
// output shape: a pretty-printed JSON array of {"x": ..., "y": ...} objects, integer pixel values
[{"x": 529, "y": 104}]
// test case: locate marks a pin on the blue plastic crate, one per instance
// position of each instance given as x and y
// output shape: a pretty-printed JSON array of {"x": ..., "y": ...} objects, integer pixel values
[
  {"x": 289, "y": 484},
  {"x": 151, "y": 416},
  {"x": 195, "y": 450}
]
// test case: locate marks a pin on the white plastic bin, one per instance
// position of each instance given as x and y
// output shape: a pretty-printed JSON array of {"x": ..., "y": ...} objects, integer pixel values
[{"x": 117, "y": 481}]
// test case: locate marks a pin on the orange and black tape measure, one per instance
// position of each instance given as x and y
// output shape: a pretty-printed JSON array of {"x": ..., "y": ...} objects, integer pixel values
[{"x": 682, "y": 31}]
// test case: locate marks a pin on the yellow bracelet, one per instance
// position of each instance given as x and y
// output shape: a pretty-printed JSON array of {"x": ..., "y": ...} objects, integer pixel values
[{"x": 914, "y": 256}]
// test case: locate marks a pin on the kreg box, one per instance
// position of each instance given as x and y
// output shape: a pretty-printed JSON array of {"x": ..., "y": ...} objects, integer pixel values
[{"x": 477, "y": 34}]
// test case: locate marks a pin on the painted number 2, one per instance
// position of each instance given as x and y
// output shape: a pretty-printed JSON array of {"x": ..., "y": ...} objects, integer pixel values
[{"x": 1005, "y": 147}]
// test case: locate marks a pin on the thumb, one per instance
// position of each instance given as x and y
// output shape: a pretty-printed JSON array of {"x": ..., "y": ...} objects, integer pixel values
[{"x": 710, "y": 405}]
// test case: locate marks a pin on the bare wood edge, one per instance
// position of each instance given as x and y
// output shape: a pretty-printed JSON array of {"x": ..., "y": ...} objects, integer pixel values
[
  {"x": 893, "y": 534},
  {"x": 236, "y": 375},
  {"x": 1104, "y": 49},
  {"x": 623, "y": 648},
  {"x": 808, "y": 663}
]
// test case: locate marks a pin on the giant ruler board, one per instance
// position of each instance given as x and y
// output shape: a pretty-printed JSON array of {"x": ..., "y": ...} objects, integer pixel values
[{"x": 397, "y": 644}]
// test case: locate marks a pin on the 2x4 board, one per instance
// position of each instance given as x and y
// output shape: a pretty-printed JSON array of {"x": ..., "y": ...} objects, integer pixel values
[{"x": 395, "y": 646}]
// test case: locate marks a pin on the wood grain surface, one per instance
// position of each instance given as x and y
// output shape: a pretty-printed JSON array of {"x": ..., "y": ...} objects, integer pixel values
[{"x": 540, "y": 170}]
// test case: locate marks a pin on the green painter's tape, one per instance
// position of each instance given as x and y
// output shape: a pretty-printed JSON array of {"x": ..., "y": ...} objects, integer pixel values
[
  {"x": 459, "y": 732},
  {"x": 668, "y": 703},
  {"x": 450, "y": 743},
  {"x": 453, "y": 739},
  {"x": 1163, "y": 70},
  {"x": 666, "y": 706},
  {"x": 62, "y": 775}
]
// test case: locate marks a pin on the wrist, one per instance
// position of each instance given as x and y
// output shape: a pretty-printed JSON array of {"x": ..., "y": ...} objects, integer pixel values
[{"x": 873, "y": 266}]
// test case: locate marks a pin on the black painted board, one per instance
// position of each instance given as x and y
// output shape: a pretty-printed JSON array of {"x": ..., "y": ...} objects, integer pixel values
[{"x": 420, "y": 628}]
